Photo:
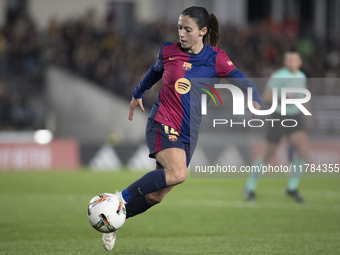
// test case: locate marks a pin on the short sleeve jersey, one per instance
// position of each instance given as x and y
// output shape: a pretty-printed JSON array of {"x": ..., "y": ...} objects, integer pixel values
[
  {"x": 178, "y": 104},
  {"x": 284, "y": 78}
]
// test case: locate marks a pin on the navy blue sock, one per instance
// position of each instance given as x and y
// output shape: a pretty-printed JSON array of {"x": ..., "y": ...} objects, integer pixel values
[
  {"x": 150, "y": 182},
  {"x": 136, "y": 206}
]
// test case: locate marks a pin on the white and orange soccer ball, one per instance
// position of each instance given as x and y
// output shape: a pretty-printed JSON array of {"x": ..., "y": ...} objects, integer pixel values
[{"x": 106, "y": 212}]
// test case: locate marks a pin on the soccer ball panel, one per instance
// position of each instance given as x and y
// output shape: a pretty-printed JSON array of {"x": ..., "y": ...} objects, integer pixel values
[{"x": 106, "y": 213}]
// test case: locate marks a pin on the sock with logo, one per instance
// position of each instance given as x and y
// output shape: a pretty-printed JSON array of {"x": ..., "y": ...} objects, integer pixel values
[
  {"x": 254, "y": 176},
  {"x": 295, "y": 176},
  {"x": 150, "y": 182}
]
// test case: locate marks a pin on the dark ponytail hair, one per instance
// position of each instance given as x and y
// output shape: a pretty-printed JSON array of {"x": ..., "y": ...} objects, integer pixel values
[{"x": 204, "y": 19}]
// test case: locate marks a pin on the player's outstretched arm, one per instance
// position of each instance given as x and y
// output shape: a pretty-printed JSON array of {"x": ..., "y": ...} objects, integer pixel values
[{"x": 135, "y": 102}]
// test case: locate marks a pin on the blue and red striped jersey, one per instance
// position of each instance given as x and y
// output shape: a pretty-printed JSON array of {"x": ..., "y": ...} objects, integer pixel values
[{"x": 177, "y": 106}]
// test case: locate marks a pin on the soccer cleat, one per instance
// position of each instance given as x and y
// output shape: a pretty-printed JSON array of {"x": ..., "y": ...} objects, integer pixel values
[
  {"x": 109, "y": 240},
  {"x": 119, "y": 195},
  {"x": 295, "y": 195},
  {"x": 249, "y": 195}
]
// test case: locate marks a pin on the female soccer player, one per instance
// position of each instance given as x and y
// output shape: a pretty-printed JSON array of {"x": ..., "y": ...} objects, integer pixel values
[{"x": 173, "y": 123}]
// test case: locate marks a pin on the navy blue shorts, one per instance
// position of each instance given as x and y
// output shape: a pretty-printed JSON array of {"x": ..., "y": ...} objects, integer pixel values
[{"x": 160, "y": 137}]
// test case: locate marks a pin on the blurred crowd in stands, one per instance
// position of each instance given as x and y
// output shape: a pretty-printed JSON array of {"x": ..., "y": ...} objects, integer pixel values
[
  {"x": 118, "y": 59},
  {"x": 21, "y": 75}
]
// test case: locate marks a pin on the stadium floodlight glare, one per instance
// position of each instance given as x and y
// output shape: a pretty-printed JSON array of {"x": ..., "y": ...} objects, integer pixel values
[{"x": 43, "y": 136}]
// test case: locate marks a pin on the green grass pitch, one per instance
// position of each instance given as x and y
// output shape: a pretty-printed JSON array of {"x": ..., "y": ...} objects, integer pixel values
[{"x": 45, "y": 213}]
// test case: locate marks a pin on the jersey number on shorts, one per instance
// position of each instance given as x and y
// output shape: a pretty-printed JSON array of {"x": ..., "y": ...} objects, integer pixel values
[{"x": 172, "y": 130}]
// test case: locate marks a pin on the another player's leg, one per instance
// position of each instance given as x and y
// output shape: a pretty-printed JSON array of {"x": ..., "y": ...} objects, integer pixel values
[
  {"x": 250, "y": 187},
  {"x": 299, "y": 140},
  {"x": 249, "y": 190},
  {"x": 273, "y": 138}
]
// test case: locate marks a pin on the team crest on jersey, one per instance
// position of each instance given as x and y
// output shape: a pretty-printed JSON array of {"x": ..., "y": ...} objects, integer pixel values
[
  {"x": 173, "y": 138},
  {"x": 186, "y": 66},
  {"x": 182, "y": 86}
]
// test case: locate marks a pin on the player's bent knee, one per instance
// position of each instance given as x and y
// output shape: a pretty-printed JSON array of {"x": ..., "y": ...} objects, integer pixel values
[
  {"x": 176, "y": 176},
  {"x": 181, "y": 176}
]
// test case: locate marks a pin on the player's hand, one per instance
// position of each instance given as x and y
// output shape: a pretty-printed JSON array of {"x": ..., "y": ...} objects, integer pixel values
[
  {"x": 135, "y": 102},
  {"x": 256, "y": 105}
]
